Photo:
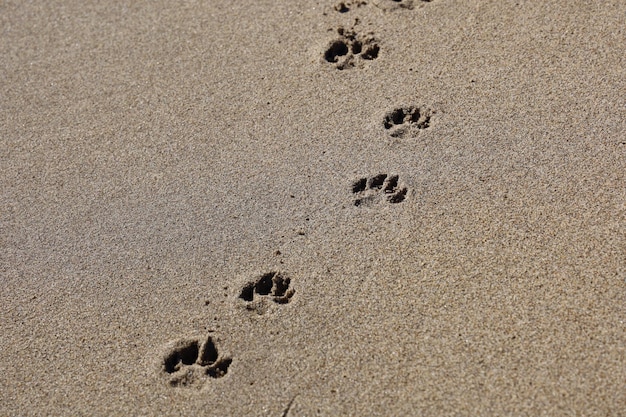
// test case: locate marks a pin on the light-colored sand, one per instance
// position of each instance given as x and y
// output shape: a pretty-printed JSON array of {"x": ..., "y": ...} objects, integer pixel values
[{"x": 157, "y": 156}]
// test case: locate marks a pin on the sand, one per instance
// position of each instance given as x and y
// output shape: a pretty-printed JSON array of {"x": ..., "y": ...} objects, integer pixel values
[{"x": 306, "y": 208}]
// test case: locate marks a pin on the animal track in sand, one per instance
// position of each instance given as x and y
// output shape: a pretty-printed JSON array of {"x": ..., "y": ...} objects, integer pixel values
[
  {"x": 271, "y": 286},
  {"x": 409, "y": 120},
  {"x": 191, "y": 362},
  {"x": 351, "y": 49},
  {"x": 371, "y": 190}
]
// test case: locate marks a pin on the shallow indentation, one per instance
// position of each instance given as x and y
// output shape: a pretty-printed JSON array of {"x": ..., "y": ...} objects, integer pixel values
[
  {"x": 359, "y": 185},
  {"x": 378, "y": 181},
  {"x": 186, "y": 354},
  {"x": 335, "y": 50}
]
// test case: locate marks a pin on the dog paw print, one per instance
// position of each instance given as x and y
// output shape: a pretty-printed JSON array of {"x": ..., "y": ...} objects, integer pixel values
[
  {"x": 389, "y": 5},
  {"x": 191, "y": 363},
  {"x": 374, "y": 189},
  {"x": 407, "y": 121},
  {"x": 351, "y": 49},
  {"x": 269, "y": 287}
]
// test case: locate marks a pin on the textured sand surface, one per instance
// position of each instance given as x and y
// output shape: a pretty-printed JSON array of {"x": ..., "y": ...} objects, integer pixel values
[{"x": 195, "y": 218}]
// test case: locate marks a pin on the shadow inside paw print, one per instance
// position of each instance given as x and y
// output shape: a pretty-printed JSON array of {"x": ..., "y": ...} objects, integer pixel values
[
  {"x": 351, "y": 49},
  {"x": 371, "y": 190},
  {"x": 272, "y": 286},
  {"x": 190, "y": 362},
  {"x": 407, "y": 120}
]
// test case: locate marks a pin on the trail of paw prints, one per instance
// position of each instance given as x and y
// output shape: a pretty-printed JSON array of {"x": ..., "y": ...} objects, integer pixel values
[
  {"x": 404, "y": 121},
  {"x": 369, "y": 191},
  {"x": 271, "y": 287},
  {"x": 351, "y": 49},
  {"x": 191, "y": 363}
]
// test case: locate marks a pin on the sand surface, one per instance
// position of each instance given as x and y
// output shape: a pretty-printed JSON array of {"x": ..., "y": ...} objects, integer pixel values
[{"x": 299, "y": 208}]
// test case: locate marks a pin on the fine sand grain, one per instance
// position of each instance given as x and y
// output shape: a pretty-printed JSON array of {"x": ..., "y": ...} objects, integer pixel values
[{"x": 302, "y": 208}]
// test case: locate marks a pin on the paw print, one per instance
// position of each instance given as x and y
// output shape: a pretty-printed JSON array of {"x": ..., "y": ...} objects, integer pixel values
[
  {"x": 407, "y": 121},
  {"x": 272, "y": 286},
  {"x": 190, "y": 363},
  {"x": 351, "y": 49},
  {"x": 371, "y": 190}
]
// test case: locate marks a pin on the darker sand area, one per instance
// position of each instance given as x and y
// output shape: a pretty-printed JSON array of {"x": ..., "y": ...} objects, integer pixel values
[{"x": 313, "y": 208}]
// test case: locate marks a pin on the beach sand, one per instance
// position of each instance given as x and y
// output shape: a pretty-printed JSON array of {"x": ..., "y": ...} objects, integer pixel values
[{"x": 311, "y": 208}]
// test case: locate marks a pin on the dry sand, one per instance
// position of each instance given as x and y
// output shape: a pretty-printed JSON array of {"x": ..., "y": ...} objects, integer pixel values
[{"x": 159, "y": 156}]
